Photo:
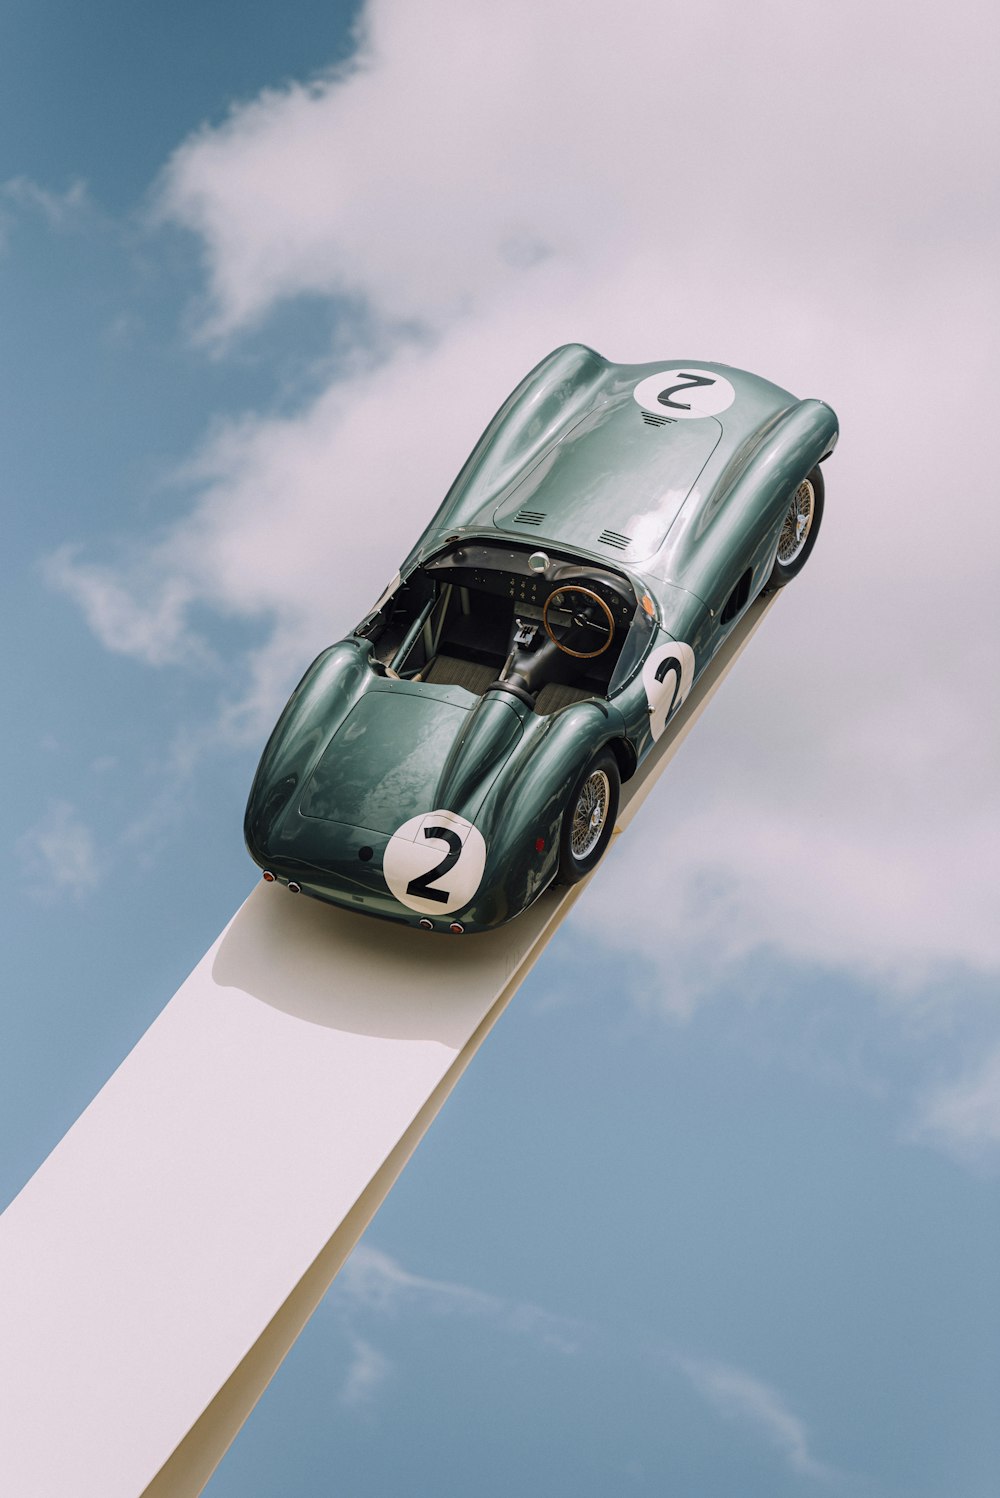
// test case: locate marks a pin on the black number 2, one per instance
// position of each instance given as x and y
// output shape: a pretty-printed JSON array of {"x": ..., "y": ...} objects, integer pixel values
[
  {"x": 687, "y": 382},
  {"x": 670, "y": 663},
  {"x": 422, "y": 884}
]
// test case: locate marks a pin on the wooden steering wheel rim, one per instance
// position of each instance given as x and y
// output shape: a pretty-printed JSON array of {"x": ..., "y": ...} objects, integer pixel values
[{"x": 580, "y": 655}]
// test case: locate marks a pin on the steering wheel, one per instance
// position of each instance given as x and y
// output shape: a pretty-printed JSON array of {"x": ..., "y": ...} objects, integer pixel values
[{"x": 578, "y": 621}]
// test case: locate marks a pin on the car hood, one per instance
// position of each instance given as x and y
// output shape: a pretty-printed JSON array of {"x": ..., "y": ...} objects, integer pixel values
[
  {"x": 404, "y": 749},
  {"x": 612, "y": 485}
]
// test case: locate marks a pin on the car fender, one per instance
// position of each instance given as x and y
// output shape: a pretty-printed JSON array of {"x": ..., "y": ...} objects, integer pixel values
[
  {"x": 549, "y": 401},
  {"x": 745, "y": 515},
  {"x": 527, "y": 801},
  {"x": 313, "y": 713}
]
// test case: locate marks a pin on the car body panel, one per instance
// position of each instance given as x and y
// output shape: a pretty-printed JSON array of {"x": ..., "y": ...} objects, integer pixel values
[
  {"x": 586, "y": 495},
  {"x": 423, "y": 767},
  {"x": 385, "y": 759}
]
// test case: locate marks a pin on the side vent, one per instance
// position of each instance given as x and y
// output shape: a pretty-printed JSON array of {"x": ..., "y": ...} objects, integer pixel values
[
  {"x": 614, "y": 539},
  {"x": 528, "y": 517},
  {"x": 737, "y": 600},
  {"x": 652, "y": 420}
]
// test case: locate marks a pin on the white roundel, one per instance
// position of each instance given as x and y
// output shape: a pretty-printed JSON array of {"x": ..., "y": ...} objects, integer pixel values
[
  {"x": 667, "y": 676},
  {"x": 685, "y": 393},
  {"x": 434, "y": 862}
]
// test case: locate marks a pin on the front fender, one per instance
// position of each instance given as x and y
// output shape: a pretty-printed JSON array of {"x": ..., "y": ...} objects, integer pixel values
[
  {"x": 546, "y": 404},
  {"x": 699, "y": 551}
]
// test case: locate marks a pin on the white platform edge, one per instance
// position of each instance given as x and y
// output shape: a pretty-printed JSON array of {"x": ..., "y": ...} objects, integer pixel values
[{"x": 159, "y": 1265}]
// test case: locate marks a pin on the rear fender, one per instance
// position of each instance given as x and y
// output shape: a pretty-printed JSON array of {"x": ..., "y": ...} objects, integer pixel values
[
  {"x": 526, "y": 804},
  {"x": 315, "y": 710}
]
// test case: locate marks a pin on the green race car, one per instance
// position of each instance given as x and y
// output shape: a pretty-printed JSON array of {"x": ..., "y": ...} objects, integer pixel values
[{"x": 465, "y": 746}]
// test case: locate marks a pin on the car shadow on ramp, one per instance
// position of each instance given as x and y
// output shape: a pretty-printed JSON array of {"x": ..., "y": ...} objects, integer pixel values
[{"x": 349, "y": 972}]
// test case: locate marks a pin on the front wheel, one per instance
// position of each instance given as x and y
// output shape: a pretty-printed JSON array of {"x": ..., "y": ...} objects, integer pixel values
[
  {"x": 799, "y": 529},
  {"x": 589, "y": 819}
]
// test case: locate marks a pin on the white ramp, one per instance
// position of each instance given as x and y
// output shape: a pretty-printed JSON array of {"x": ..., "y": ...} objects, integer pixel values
[{"x": 159, "y": 1265}]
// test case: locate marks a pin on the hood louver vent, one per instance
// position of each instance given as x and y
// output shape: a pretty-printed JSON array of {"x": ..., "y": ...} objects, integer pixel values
[
  {"x": 615, "y": 539},
  {"x": 529, "y": 517},
  {"x": 652, "y": 420}
]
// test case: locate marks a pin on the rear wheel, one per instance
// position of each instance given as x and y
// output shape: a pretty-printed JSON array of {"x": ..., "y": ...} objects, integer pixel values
[
  {"x": 589, "y": 819},
  {"x": 798, "y": 530}
]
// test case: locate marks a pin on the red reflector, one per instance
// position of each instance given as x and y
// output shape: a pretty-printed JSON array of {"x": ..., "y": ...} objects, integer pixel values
[
  {"x": 269, "y": 876},
  {"x": 539, "y": 845},
  {"x": 456, "y": 929}
]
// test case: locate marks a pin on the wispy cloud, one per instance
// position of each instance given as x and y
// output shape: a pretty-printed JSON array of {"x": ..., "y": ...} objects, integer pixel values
[
  {"x": 60, "y": 210},
  {"x": 374, "y": 1290},
  {"x": 60, "y": 854},
  {"x": 377, "y": 1282},
  {"x": 145, "y": 617},
  {"x": 368, "y": 1370},
  {"x": 374, "y": 1283},
  {"x": 963, "y": 1116},
  {"x": 737, "y": 1395}
]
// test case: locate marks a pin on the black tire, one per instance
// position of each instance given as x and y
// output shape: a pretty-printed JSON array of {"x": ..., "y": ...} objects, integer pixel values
[
  {"x": 797, "y": 550},
  {"x": 579, "y": 850}
]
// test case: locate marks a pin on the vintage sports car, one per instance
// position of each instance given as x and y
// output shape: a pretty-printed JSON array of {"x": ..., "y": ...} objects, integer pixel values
[{"x": 465, "y": 746}]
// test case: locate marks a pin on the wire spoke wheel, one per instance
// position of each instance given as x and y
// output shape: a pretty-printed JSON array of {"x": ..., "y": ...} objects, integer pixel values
[
  {"x": 797, "y": 524},
  {"x": 590, "y": 814},
  {"x": 588, "y": 822},
  {"x": 799, "y": 529}
]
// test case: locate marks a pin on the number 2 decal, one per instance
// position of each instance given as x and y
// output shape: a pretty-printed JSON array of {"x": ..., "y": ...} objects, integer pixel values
[
  {"x": 670, "y": 666},
  {"x": 667, "y": 676},
  {"x": 705, "y": 392},
  {"x": 434, "y": 862},
  {"x": 422, "y": 885},
  {"x": 687, "y": 382}
]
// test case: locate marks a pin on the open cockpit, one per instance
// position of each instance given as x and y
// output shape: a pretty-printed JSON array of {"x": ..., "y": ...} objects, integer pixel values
[{"x": 551, "y": 630}]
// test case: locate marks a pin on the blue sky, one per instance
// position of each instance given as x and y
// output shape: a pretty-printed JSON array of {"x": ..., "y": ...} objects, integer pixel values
[{"x": 715, "y": 1209}]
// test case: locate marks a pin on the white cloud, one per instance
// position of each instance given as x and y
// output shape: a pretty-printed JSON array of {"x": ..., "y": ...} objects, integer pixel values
[
  {"x": 723, "y": 867},
  {"x": 60, "y": 854},
  {"x": 963, "y": 1115},
  {"x": 465, "y": 143},
  {"x": 737, "y": 1395},
  {"x": 366, "y": 1374},
  {"x": 374, "y": 1281},
  {"x": 59, "y": 209},
  {"x": 799, "y": 190},
  {"x": 144, "y": 616}
]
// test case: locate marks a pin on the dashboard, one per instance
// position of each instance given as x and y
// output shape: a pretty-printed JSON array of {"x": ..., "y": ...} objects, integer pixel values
[{"x": 508, "y": 573}]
